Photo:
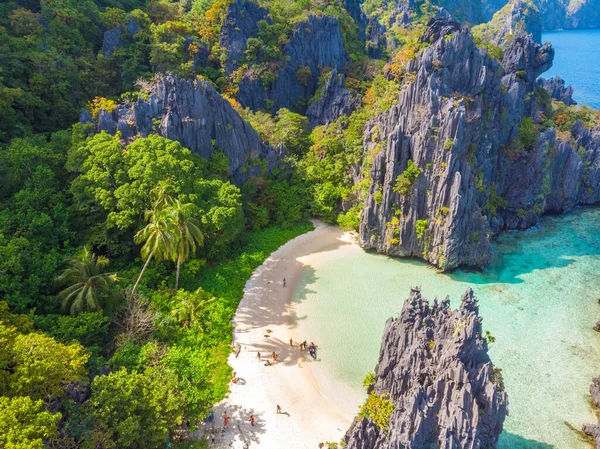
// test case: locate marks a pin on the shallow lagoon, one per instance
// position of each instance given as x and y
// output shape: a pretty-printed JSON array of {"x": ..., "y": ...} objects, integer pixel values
[{"x": 539, "y": 299}]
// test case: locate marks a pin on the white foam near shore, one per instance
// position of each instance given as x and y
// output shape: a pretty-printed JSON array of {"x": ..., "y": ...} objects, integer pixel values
[{"x": 308, "y": 417}]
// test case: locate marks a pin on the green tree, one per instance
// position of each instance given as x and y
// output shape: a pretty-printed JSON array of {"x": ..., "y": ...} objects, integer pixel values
[
  {"x": 158, "y": 238},
  {"x": 188, "y": 236},
  {"x": 87, "y": 283},
  {"x": 24, "y": 423},
  {"x": 36, "y": 365},
  {"x": 291, "y": 130},
  {"x": 138, "y": 410},
  {"x": 189, "y": 306}
]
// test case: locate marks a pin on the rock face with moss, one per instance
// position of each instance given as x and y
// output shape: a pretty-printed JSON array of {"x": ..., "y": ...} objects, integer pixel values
[
  {"x": 240, "y": 24},
  {"x": 465, "y": 154},
  {"x": 316, "y": 44},
  {"x": 194, "y": 114},
  {"x": 515, "y": 17},
  {"x": 435, "y": 371},
  {"x": 331, "y": 101}
]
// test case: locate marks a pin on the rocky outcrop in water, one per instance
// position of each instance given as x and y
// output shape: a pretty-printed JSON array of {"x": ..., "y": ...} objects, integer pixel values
[
  {"x": 435, "y": 370},
  {"x": 333, "y": 102},
  {"x": 593, "y": 430},
  {"x": 459, "y": 157},
  {"x": 558, "y": 90},
  {"x": 316, "y": 44},
  {"x": 195, "y": 115}
]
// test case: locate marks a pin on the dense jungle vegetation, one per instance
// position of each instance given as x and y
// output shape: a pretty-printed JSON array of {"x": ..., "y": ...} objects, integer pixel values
[{"x": 129, "y": 260}]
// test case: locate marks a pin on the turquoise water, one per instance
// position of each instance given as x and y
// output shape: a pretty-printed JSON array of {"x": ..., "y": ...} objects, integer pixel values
[
  {"x": 539, "y": 299},
  {"x": 577, "y": 61}
]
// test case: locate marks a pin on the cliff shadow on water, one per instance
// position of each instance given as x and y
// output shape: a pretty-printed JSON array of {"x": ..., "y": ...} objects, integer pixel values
[{"x": 512, "y": 441}]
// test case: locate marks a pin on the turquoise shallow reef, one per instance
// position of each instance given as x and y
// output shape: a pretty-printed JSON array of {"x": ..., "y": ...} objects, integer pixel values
[
  {"x": 577, "y": 61},
  {"x": 539, "y": 300}
]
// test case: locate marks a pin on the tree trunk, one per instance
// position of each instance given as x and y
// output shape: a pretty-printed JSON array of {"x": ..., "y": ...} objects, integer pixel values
[
  {"x": 177, "y": 275},
  {"x": 141, "y": 274}
]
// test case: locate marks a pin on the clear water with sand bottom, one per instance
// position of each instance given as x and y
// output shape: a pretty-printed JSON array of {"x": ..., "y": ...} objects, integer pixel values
[{"x": 539, "y": 300}]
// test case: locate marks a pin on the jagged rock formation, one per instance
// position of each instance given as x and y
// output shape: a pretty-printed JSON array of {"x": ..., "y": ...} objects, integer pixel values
[
  {"x": 516, "y": 17},
  {"x": 593, "y": 430},
  {"x": 112, "y": 37},
  {"x": 333, "y": 102},
  {"x": 478, "y": 165},
  {"x": 241, "y": 23},
  {"x": 557, "y": 89},
  {"x": 435, "y": 369},
  {"x": 315, "y": 45},
  {"x": 195, "y": 115}
]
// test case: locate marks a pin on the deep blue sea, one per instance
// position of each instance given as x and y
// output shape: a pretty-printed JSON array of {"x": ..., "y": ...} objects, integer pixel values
[{"x": 577, "y": 61}]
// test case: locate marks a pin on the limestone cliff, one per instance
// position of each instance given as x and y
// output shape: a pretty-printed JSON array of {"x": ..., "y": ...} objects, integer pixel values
[
  {"x": 195, "y": 115},
  {"x": 241, "y": 22},
  {"x": 435, "y": 370},
  {"x": 334, "y": 101},
  {"x": 459, "y": 157},
  {"x": 316, "y": 44}
]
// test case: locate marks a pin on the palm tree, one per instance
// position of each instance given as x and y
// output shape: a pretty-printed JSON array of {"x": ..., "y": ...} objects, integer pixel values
[
  {"x": 158, "y": 238},
  {"x": 190, "y": 306},
  {"x": 87, "y": 282},
  {"x": 189, "y": 235},
  {"x": 162, "y": 195}
]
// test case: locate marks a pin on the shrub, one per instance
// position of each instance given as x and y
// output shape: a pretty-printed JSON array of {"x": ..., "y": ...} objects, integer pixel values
[
  {"x": 369, "y": 380},
  {"x": 350, "y": 221},
  {"x": 405, "y": 181},
  {"x": 378, "y": 409},
  {"x": 303, "y": 75},
  {"x": 378, "y": 197},
  {"x": 101, "y": 103},
  {"x": 420, "y": 227},
  {"x": 528, "y": 133}
]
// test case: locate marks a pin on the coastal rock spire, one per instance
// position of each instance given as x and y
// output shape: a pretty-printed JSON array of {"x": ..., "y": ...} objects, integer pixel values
[
  {"x": 435, "y": 370},
  {"x": 464, "y": 155}
]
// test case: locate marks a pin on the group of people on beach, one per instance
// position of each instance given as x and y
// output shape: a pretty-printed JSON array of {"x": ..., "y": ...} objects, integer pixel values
[
  {"x": 274, "y": 356},
  {"x": 312, "y": 349}
]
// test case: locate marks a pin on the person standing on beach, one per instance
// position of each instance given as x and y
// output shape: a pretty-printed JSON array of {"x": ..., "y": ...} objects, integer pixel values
[
  {"x": 284, "y": 282},
  {"x": 291, "y": 343},
  {"x": 278, "y": 409},
  {"x": 258, "y": 356},
  {"x": 252, "y": 420}
]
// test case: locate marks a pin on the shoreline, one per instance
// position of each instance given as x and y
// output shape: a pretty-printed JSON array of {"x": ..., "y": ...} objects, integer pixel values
[{"x": 308, "y": 416}]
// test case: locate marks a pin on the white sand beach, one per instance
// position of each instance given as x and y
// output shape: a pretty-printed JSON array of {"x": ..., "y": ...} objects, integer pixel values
[{"x": 308, "y": 417}]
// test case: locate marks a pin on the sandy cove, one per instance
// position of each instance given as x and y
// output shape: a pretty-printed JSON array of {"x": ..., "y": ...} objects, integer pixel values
[{"x": 308, "y": 417}]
